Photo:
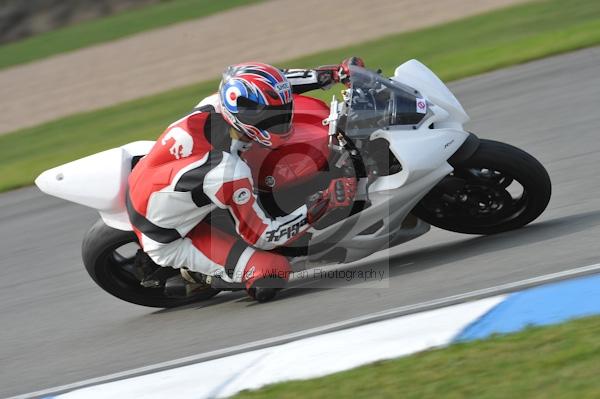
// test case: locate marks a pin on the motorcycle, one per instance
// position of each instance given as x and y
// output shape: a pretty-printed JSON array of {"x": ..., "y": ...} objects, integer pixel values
[{"x": 401, "y": 137}]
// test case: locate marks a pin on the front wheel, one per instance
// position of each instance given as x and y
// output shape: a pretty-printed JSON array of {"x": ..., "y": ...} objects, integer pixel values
[
  {"x": 499, "y": 188},
  {"x": 109, "y": 255}
]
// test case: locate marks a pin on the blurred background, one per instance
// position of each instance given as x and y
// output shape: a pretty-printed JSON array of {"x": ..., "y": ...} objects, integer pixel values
[{"x": 21, "y": 19}]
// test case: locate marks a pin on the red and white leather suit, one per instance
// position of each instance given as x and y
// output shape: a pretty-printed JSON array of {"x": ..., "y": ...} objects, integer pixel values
[{"x": 194, "y": 168}]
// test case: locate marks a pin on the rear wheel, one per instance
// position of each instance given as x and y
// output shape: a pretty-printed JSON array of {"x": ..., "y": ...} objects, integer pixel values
[
  {"x": 109, "y": 255},
  {"x": 499, "y": 188}
]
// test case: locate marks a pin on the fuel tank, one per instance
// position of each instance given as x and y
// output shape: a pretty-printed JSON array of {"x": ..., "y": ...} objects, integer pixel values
[{"x": 302, "y": 157}]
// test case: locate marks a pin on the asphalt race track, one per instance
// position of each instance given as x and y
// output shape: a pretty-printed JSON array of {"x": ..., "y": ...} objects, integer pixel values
[{"x": 58, "y": 327}]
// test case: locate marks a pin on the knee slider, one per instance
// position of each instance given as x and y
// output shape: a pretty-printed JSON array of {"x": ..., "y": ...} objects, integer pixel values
[{"x": 266, "y": 269}]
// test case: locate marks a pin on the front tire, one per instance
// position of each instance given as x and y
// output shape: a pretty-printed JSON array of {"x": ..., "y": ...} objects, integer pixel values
[
  {"x": 115, "y": 274},
  {"x": 499, "y": 188}
]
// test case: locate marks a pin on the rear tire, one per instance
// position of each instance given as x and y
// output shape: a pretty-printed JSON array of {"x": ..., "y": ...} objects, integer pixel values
[
  {"x": 482, "y": 182},
  {"x": 112, "y": 272}
]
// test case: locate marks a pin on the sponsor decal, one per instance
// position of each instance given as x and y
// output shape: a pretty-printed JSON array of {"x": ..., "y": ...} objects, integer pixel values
[
  {"x": 250, "y": 273},
  {"x": 183, "y": 143},
  {"x": 241, "y": 196},
  {"x": 285, "y": 232},
  {"x": 421, "y": 106},
  {"x": 283, "y": 86}
]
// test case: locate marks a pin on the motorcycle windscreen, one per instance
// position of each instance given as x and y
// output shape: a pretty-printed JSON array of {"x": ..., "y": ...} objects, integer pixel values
[{"x": 377, "y": 102}]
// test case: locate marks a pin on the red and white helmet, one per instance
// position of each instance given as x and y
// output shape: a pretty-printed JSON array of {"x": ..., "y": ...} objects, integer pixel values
[{"x": 257, "y": 100}]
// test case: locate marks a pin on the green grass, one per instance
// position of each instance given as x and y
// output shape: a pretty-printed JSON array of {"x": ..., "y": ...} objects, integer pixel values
[
  {"x": 559, "y": 361},
  {"x": 110, "y": 28},
  {"x": 453, "y": 50},
  {"x": 483, "y": 43}
]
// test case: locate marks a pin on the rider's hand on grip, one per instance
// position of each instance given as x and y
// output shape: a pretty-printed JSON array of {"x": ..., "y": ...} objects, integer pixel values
[
  {"x": 339, "y": 194},
  {"x": 343, "y": 73},
  {"x": 330, "y": 74}
]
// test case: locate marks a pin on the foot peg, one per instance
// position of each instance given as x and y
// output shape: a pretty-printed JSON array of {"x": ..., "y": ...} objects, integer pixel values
[
  {"x": 220, "y": 284},
  {"x": 215, "y": 282},
  {"x": 178, "y": 287},
  {"x": 186, "y": 284},
  {"x": 189, "y": 283}
]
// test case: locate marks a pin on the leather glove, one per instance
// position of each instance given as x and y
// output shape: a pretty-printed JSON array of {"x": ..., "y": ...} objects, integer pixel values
[
  {"x": 339, "y": 194},
  {"x": 343, "y": 72},
  {"x": 331, "y": 74}
]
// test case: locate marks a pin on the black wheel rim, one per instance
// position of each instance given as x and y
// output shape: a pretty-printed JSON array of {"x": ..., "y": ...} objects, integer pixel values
[{"x": 479, "y": 197}]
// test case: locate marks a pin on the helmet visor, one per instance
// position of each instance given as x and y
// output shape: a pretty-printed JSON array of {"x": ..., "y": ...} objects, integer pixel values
[{"x": 275, "y": 119}]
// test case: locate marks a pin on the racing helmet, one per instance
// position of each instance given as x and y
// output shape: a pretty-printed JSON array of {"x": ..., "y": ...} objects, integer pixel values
[{"x": 256, "y": 99}]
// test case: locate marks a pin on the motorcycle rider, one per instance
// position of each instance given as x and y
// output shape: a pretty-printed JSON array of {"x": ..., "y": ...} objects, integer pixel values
[{"x": 195, "y": 167}]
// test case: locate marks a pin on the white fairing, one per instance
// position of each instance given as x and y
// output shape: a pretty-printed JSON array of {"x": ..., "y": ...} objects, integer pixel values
[
  {"x": 422, "y": 150},
  {"x": 98, "y": 181},
  {"x": 416, "y": 75}
]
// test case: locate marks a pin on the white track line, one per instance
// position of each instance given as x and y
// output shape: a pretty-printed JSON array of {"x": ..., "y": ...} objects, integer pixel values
[{"x": 386, "y": 314}]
